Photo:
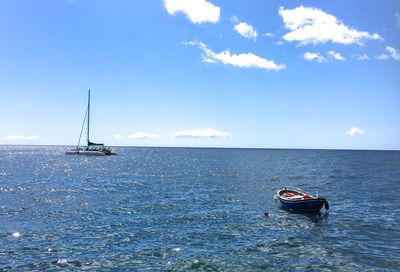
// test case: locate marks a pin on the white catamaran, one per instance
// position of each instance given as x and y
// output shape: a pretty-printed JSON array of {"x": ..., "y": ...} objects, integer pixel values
[{"x": 91, "y": 149}]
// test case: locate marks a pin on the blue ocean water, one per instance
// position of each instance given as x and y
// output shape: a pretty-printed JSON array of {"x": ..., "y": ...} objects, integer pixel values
[{"x": 180, "y": 209}]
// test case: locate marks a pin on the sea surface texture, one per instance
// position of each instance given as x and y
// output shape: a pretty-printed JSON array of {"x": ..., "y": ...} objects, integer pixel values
[{"x": 181, "y": 209}]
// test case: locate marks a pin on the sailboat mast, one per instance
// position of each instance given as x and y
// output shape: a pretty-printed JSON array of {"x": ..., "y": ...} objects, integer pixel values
[{"x": 88, "y": 119}]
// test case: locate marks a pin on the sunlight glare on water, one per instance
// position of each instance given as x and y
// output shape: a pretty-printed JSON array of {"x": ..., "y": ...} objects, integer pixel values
[{"x": 178, "y": 209}]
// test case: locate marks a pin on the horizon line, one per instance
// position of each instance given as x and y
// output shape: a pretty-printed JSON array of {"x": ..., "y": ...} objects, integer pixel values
[{"x": 214, "y": 147}]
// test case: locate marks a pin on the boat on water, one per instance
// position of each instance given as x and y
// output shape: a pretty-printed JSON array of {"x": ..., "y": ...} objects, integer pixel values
[
  {"x": 294, "y": 199},
  {"x": 91, "y": 149}
]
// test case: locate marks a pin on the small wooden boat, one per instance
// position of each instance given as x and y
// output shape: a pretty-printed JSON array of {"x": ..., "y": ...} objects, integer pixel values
[{"x": 294, "y": 199}]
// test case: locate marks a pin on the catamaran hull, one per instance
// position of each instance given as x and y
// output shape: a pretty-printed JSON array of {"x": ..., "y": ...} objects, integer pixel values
[{"x": 89, "y": 153}]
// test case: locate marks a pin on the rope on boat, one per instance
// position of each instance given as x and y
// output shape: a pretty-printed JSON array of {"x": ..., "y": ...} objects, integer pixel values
[{"x": 83, "y": 125}]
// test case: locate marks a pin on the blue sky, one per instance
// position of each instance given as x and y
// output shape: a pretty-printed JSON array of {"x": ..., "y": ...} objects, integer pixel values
[{"x": 260, "y": 73}]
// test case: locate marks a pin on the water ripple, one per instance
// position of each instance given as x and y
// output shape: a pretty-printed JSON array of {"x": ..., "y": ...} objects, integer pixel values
[{"x": 196, "y": 209}]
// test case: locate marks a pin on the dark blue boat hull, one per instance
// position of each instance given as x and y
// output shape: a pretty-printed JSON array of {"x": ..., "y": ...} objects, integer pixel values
[{"x": 309, "y": 205}]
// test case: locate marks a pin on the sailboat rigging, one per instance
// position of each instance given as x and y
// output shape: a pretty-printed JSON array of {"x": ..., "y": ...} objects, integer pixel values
[{"x": 94, "y": 149}]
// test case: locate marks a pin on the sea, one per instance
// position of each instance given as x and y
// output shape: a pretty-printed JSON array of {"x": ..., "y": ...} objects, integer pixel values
[{"x": 197, "y": 209}]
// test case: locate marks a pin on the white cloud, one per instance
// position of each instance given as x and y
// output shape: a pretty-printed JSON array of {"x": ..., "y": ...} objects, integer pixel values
[
  {"x": 382, "y": 57},
  {"x": 355, "y": 131},
  {"x": 244, "y": 60},
  {"x": 234, "y": 19},
  {"x": 117, "y": 136},
  {"x": 201, "y": 133},
  {"x": 143, "y": 135},
  {"x": 336, "y": 55},
  {"x": 362, "y": 57},
  {"x": 20, "y": 137},
  {"x": 397, "y": 17},
  {"x": 198, "y": 11},
  {"x": 311, "y": 25},
  {"x": 246, "y": 30},
  {"x": 313, "y": 56},
  {"x": 393, "y": 53},
  {"x": 269, "y": 34},
  {"x": 192, "y": 43},
  {"x": 319, "y": 58}
]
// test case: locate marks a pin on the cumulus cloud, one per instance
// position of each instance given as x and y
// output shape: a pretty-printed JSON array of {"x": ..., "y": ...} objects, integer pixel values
[
  {"x": 244, "y": 60},
  {"x": 313, "y": 56},
  {"x": 362, "y": 57},
  {"x": 390, "y": 53},
  {"x": 336, "y": 55},
  {"x": 201, "y": 133},
  {"x": 20, "y": 137},
  {"x": 309, "y": 25},
  {"x": 117, "y": 136},
  {"x": 143, "y": 135},
  {"x": 393, "y": 53},
  {"x": 353, "y": 131},
  {"x": 246, "y": 30},
  {"x": 197, "y": 11}
]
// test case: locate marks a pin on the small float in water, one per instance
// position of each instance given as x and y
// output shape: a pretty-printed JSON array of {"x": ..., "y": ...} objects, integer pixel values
[{"x": 294, "y": 199}]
